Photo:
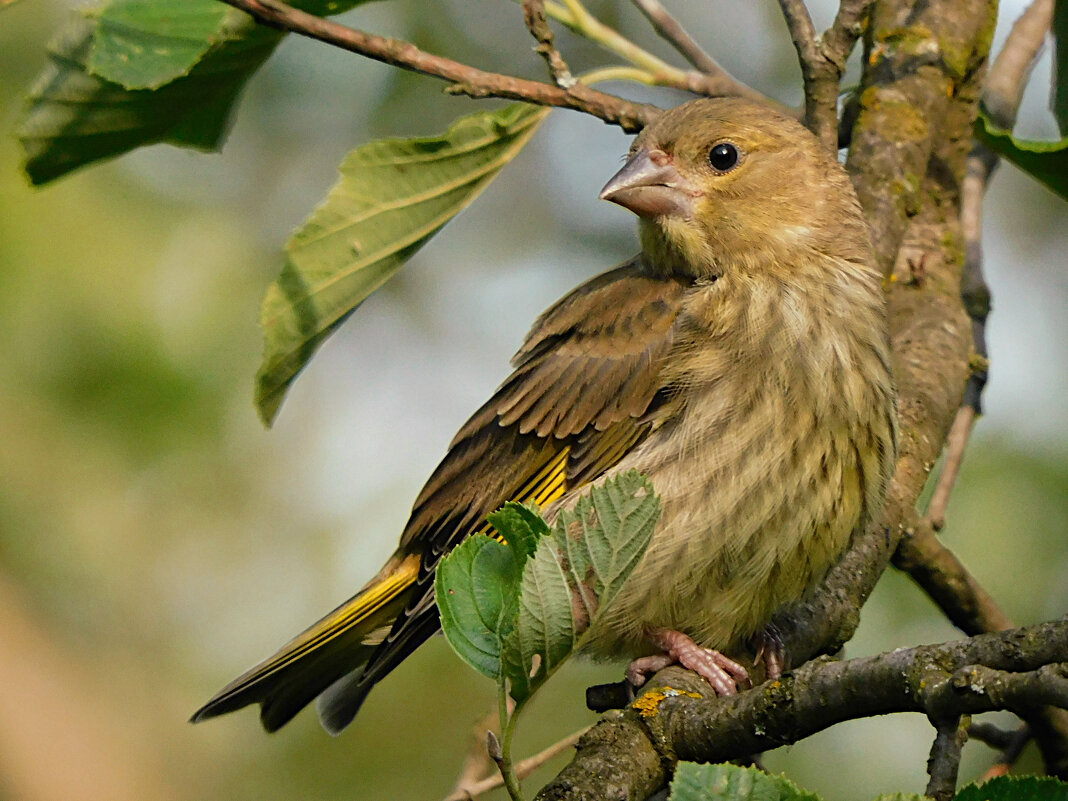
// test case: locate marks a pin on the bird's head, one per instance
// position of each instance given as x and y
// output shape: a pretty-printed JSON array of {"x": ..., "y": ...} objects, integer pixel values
[{"x": 723, "y": 183}]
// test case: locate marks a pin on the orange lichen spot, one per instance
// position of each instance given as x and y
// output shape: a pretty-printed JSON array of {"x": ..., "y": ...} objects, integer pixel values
[{"x": 648, "y": 705}]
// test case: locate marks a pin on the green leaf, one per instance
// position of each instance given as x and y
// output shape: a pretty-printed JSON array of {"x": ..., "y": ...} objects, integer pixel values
[
  {"x": 394, "y": 194},
  {"x": 475, "y": 588},
  {"x": 574, "y": 575},
  {"x": 143, "y": 44},
  {"x": 902, "y": 797},
  {"x": 1016, "y": 788},
  {"x": 74, "y": 118},
  {"x": 1059, "y": 97},
  {"x": 695, "y": 782},
  {"x": 521, "y": 526},
  {"x": 1046, "y": 162}
]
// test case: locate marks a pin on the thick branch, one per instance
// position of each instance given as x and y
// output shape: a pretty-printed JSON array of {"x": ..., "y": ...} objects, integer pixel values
[
  {"x": 465, "y": 79},
  {"x": 678, "y": 719}
]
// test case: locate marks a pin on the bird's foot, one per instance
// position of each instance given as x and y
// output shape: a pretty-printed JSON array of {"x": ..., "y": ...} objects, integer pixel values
[
  {"x": 772, "y": 651},
  {"x": 725, "y": 675}
]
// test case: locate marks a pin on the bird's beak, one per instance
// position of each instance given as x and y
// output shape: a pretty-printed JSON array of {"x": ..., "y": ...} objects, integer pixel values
[{"x": 650, "y": 186}]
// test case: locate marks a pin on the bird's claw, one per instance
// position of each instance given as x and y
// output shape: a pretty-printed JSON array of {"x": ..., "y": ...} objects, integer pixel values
[
  {"x": 772, "y": 651},
  {"x": 722, "y": 673}
]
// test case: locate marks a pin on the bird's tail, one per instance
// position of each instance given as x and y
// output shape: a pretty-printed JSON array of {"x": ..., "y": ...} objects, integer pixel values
[{"x": 335, "y": 648}]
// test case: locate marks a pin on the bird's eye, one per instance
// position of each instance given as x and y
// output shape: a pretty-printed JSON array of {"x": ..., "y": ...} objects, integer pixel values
[{"x": 723, "y": 157}]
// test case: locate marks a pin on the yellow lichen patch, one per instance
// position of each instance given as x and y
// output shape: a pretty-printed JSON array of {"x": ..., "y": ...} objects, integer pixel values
[{"x": 648, "y": 705}]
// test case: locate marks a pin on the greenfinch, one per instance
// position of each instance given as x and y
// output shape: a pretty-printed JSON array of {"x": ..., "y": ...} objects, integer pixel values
[{"x": 741, "y": 361}]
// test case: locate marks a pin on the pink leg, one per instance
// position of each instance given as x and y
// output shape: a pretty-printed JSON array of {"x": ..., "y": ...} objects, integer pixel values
[
  {"x": 722, "y": 673},
  {"x": 772, "y": 651}
]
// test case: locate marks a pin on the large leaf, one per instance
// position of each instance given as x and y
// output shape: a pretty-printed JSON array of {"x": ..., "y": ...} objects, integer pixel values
[
  {"x": 1046, "y": 162},
  {"x": 574, "y": 575},
  {"x": 476, "y": 586},
  {"x": 393, "y": 195},
  {"x": 143, "y": 44},
  {"x": 1059, "y": 99},
  {"x": 1016, "y": 788},
  {"x": 75, "y": 117},
  {"x": 695, "y": 782}
]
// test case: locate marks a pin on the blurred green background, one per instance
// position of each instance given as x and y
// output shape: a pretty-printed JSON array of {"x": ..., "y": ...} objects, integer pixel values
[{"x": 155, "y": 540}]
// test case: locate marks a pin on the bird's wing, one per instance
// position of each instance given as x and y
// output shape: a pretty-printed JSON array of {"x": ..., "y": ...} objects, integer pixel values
[{"x": 574, "y": 406}]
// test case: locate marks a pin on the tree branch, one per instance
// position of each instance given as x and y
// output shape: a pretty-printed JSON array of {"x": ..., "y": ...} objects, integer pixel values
[
  {"x": 465, "y": 79},
  {"x": 671, "y": 30},
  {"x": 944, "y": 761},
  {"x": 538, "y": 25},
  {"x": 823, "y": 60},
  {"x": 576, "y": 17},
  {"x": 678, "y": 719}
]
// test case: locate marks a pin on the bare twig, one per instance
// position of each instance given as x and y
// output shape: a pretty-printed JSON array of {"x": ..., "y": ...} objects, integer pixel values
[
  {"x": 672, "y": 31},
  {"x": 944, "y": 761},
  {"x": 576, "y": 17},
  {"x": 522, "y": 769},
  {"x": 476, "y": 763},
  {"x": 956, "y": 442},
  {"x": 946, "y": 580},
  {"x": 1008, "y": 74},
  {"x": 1010, "y": 743},
  {"x": 465, "y": 79},
  {"x": 538, "y": 25},
  {"x": 823, "y": 60}
]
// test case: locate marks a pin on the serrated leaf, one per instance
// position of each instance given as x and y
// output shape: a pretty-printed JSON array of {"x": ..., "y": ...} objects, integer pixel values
[
  {"x": 393, "y": 195},
  {"x": 1046, "y": 162},
  {"x": 475, "y": 588},
  {"x": 693, "y": 782},
  {"x": 521, "y": 527},
  {"x": 143, "y": 44},
  {"x": 574, "y": 575},
  {"x": 1059, "y": 94},
  {"x": 1016, "y": 788}
]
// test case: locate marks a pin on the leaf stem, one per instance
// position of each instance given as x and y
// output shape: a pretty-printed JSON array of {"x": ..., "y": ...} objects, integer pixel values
[{"x": 503, "y": 755}]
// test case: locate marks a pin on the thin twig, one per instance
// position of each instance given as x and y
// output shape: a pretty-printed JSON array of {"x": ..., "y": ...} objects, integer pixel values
[
  {"x": 522, "y": 769},
  {"x": 944, "y": 762},
  {"x": 476, "y": 763},
  {"x": 538, "y": 25},
  {"x": 575, "y": 16},
  {"x": 946, "y": 580},
  {"x": 465, "y": 79},
  {"x": 671, "y": 30},
  {"x": 1010, "y": 743},
  {"x": 956, "y": 442}
]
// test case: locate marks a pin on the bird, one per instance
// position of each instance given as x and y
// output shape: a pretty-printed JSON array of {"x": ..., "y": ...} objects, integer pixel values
[{"x": 741, "y": 361}]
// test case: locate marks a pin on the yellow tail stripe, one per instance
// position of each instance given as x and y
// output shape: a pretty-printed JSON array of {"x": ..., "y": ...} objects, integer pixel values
[{"x": 369, "y": 602}]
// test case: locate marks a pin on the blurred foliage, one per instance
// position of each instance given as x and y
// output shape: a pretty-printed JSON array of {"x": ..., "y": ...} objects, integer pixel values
[{"x": 157, "y": 540}]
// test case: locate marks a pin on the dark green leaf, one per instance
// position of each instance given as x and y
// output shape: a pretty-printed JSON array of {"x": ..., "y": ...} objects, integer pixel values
[
  {"x": 74, "y": 118},
  {"x": 143, "y": 44},
  {"x": 475, "y": 587},
  {"x": 1059, "y": 99},
  {"x": 1016, "y": 788},
  {"x": 1046, "y": 162},
  {"x": 695, "y": 782},
  {"x": 521, "y": 526},
  {"x": 574, "y": 575},
  {"x": 394, "y": 194}
]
